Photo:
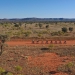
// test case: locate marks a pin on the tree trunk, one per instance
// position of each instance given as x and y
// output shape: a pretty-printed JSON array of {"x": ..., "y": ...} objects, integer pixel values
[{"x": 1, "y": 49}]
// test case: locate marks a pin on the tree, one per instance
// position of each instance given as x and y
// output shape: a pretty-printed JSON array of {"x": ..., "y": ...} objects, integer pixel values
[
  {"x": 64, "y": 29},
  {"x": 40, "y": 25},
  {"x": 70, "y": 29},
  {"x": 47, "y": 26},
  {"x": 16, "y": 25},
  {"x": 3, "y": 39}
]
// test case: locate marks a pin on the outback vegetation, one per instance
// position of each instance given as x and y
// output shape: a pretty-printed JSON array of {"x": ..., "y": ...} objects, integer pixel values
[
  {"x": 37, "y": 48},
  {"x": 37, "y": 29}
]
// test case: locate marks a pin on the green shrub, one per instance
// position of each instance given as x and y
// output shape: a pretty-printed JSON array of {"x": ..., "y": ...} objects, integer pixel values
[
  {"x": 47, "y": 26},
  {"x": 18, "y": 68},
  {"x": 51, "y": 46},
  {"x": 57, "y": 33},
  {"x": 69, "y": 65},
  {"x": 27, "y": 33},
  {"x": 70, "y": 29},
  {"x": 64, "y": 29},
  {"x": 68, "y": 68},
  {"x": 43, "y": 32},
  {"x": 1, "y": 70}
]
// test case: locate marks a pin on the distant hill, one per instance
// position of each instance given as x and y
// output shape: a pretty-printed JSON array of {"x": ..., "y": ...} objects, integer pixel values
[{"x": 37, "y": 19}]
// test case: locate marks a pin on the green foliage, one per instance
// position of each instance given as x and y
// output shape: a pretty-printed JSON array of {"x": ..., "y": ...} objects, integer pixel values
[
  {"x": 64, "y": 29},
  {"x": 59, "y": 33},
  {"x": 47, "y": 26},
  {"x": 18, "y": 68},
  {"x": 10, "y": 33},
  {"x": 54, "y": 33},
  {"x": 17, "y": 34},
  {"x": 69, "y": 68},
  {"x": 1, "y": 70},
  {"x": 43, "y": 32},
  {"x": 3, "y": 37},
  {"x": 6, "y": 25},
  {"x": 69, "y": 65},
  {"x": 16, "y": 25},
  {"x": 70, "y": 29},
  {"x": 27, "y": 33}
]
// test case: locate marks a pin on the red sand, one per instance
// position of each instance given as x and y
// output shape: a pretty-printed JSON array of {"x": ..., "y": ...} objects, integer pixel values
[
  {"x": 49, "y": 62},
  {"x": 29, "y": 42}
]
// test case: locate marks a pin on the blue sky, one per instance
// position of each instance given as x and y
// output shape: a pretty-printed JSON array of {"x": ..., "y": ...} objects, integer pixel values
[{"x": 37, "y": 8}]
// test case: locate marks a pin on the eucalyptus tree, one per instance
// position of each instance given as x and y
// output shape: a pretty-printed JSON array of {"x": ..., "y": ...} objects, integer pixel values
[{"x": 3, "y": 39}]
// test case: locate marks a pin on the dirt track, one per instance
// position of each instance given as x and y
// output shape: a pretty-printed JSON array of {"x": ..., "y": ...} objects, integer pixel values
[{"x": 29, "y": 42}]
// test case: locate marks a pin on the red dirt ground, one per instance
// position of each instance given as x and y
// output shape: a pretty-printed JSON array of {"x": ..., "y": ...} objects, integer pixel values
[
  {"x": 29, "y": 42},
  {"x": 49, "y": 61}
]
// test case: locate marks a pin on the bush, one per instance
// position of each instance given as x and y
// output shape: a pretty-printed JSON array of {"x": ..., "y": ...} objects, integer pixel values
[
  {"x": 57, "y": 33},
  {"x": 47, "y": 26},
  {"x": 43, "y": 32},
  {"x": 54, "y": 33},
  {"x": 68, "y": 68},
  {"x": 27, "y": 33},
  {"x": 16, "y": 25},
  {"x": 18, "y": 68},
  {"x": 70, "y": 29},
  {"x": 1, "y": 70},
  {"x": 64, "y": 29}
]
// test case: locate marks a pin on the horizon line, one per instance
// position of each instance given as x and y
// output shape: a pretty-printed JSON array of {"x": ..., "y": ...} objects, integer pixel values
[{"x": 36, "y": 17}]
